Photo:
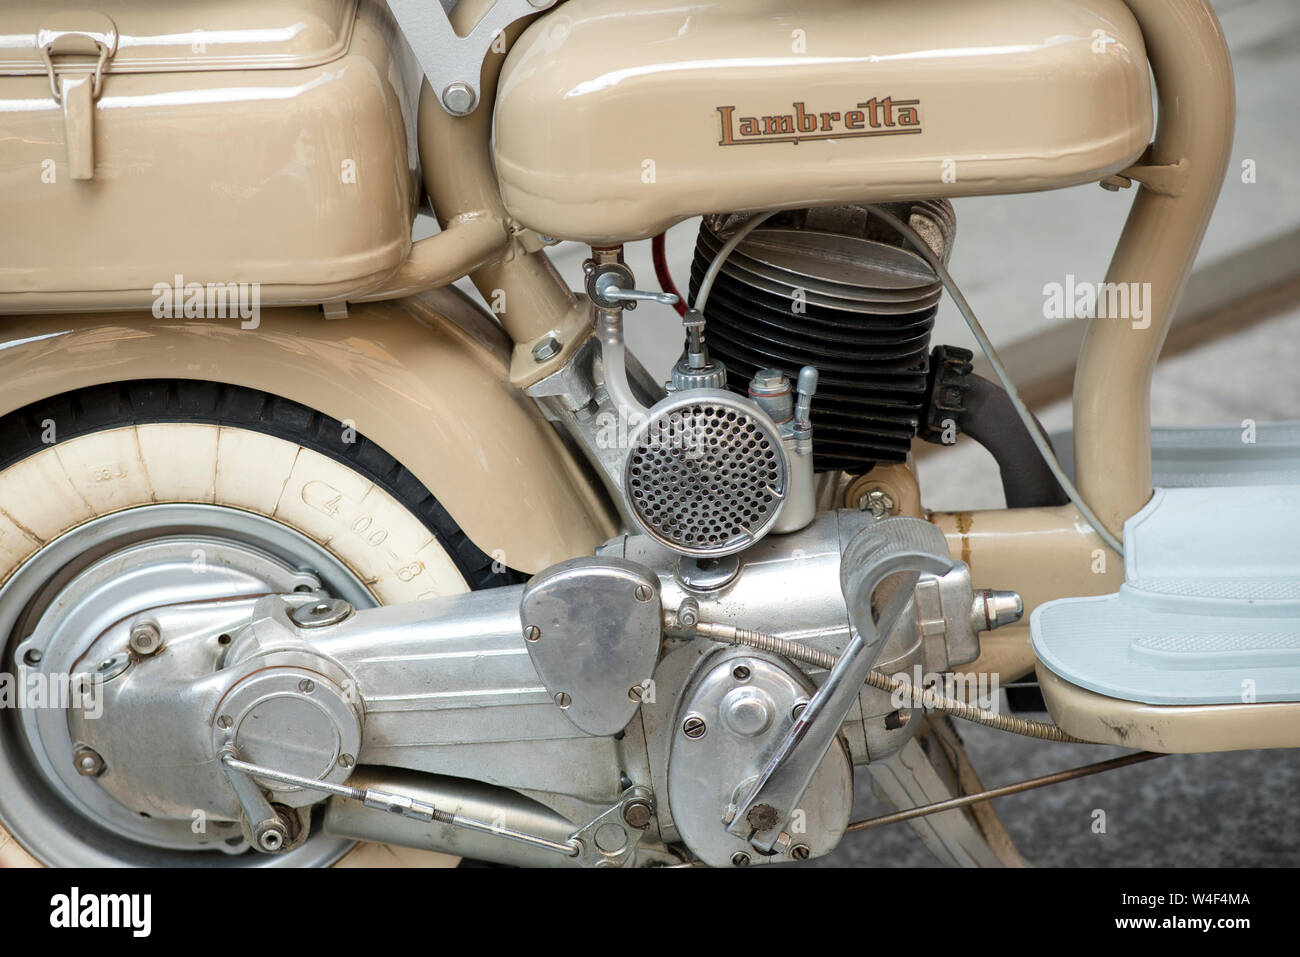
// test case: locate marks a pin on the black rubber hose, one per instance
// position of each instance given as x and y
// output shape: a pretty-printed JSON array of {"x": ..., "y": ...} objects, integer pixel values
[{"x": 992, "y": 421}]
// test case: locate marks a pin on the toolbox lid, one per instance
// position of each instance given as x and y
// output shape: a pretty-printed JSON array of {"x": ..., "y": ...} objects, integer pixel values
[{"x": 181, "y": 35}]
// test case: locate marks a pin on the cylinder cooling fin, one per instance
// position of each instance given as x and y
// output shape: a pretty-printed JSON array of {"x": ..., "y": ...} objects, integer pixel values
[{"x": 835, "y": 288}]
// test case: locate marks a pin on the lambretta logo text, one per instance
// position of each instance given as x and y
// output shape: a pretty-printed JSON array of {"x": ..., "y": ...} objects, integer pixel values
[
  {"x": 876, "y": 117},
  {"x": 74, "y": 910}
]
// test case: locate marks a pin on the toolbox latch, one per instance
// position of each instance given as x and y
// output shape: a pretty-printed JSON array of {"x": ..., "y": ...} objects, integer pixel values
[{"x": 76, "y": 47}]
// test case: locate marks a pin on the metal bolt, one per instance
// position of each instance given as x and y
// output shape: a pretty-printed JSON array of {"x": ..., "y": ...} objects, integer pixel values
[
  {"x": 547, "y": 348},
  {"x": 741, "y": 673},
  {"x": 458, "y": 98},
  {"x": 635, "y": 692},
  {"x": 801, "y": 852},
  {"x": 306, "y": 686},
  {"x": 740, "y": 859},
  {"x": 88, "y": 762},
  {"x": 688, "y": 613},
  {"x": 224, "y": 722},
  {"x": 562, "y": 699},
  {"x": 694, "y": 727},
  {"x": 32, "y": 657},
  {"x": 644, "y": 592},
  {"x": 271, "y": 836},
  {"x": 993, "y": 609},
  {"x": 346, "y": 760},
  {"x": 769, "y": 381},
  {"x": 637, "y": 814},
  {"x": 877, "y": 502},
  {"x": 532, "y": 633},
  {"x": 321, "y": 614},
  {"x": 145, "y": 638}
]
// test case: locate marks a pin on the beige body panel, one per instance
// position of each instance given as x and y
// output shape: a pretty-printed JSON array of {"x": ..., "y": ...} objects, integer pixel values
[
  {"x": 617, "y": 118},
  {"x": 1172, "y": 729},
  {"x": 430, "y": 387},
  {"x": 1043, "y": 553},
  {"x": 276, "y": 149}
]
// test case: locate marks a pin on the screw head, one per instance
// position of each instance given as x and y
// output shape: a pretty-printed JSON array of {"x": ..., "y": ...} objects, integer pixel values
[
  {"x": 563, "y": 700},
  {"x": 321, "y": 614},
  {"x": 532, "y": 633},
  {"x": 740, "y": 859},
  {"x": 88, "y": 762},
  {"x": 876, "y": 501},
  {"x": 547, "y": 348},
  {"x": 740, "y": 673},
  {"x": 635, "y": 692},
  {"x": 306, "y": 686},
  {"x": 346, "y": 760},
  {"x": 224, "y": 722},
  {"x": 458, "y": 98},
  {"x": 32, "y": 657},
  {"x": 110, "y": 668},
  {"x": 145, "y": 638},
  {"x": 694, "y": 726},
  {"x": 637, "y": 814},
  {"x": 644, "y": 593},
  {"x": 801, "y": 852}
]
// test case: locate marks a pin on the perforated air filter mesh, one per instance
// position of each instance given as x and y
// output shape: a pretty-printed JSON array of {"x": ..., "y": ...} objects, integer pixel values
[{"x": 705, "y": 477}]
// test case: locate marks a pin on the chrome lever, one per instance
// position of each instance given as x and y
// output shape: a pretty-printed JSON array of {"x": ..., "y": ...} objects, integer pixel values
[
  {"x": 908, "y": 545},
  {"x": 609, "y": 286}
]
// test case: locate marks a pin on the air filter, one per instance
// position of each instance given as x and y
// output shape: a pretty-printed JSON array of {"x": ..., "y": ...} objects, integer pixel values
[{"x": 706, "y": 473}]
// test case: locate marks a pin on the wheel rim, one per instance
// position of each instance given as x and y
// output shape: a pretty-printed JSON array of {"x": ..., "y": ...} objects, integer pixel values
[{"x": 59, "y": 816}]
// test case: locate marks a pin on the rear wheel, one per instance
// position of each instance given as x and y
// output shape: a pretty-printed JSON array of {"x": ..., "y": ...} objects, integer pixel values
[{"x": 187, "y": 476}]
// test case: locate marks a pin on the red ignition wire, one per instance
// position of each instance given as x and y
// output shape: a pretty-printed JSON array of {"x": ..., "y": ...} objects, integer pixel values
[{"x": 660, "y": 253}]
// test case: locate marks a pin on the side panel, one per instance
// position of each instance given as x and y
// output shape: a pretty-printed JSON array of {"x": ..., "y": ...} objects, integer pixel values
[
  {"x": 425, "y": 378},
  {"x": 617, "y": 118},
  {"x": 300, "y": 178}
]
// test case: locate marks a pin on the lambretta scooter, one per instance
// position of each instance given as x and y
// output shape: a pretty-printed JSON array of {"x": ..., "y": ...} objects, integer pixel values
[{"x": 307, "y": 555}]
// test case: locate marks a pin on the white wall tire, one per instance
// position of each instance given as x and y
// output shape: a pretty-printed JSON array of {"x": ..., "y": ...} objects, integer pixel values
[{"x": 346, "y": 507}]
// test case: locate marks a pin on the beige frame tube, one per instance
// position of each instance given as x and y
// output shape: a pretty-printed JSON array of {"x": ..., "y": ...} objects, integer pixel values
[{"x": 1112, "y": 383}]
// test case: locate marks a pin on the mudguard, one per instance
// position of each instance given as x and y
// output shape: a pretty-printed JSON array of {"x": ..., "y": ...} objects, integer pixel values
[{"x": 426, "y": 378}]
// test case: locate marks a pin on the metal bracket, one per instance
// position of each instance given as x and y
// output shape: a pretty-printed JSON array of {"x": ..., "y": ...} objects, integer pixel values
[
  {"x": 610, "y": 839},
  {"x": 451, "y": 62},
  {"x": 1169, "y": 179}
]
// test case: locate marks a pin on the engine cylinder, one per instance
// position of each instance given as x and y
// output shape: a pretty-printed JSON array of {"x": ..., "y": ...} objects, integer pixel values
[{"x": 835, "y": 288}]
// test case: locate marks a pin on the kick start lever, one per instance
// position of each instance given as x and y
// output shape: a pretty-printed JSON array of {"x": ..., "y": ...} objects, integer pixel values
[{"x": 908, "y": 545}]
